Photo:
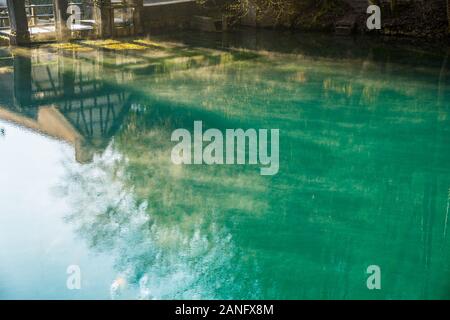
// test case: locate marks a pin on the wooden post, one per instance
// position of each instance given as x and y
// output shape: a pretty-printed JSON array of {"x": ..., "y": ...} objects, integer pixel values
[
  {"x": 61, "y": 16},
  {"x": 104, "y": 18},
  {"x": 20, "y": 35}
]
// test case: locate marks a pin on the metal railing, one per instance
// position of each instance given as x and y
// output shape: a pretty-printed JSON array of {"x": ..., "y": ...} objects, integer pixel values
[
  {"x": 4, "y": 18},
  {"x": 35, "y": 18},
  {"x": 35, "y": 15}
]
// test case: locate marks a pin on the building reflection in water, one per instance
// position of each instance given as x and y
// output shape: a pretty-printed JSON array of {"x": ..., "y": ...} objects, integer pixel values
[
  {"x": 164, "y": 229},
  {"x": 66, "y": 99}
]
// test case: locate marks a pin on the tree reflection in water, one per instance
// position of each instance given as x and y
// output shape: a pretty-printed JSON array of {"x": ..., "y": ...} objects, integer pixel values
[{"x": 163, "y": 223}]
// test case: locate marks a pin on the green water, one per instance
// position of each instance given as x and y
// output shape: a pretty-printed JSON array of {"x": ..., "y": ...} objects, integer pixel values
[{"x": 364, "y": 173}]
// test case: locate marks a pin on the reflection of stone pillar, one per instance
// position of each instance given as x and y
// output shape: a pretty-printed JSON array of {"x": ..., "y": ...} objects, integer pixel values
[
  {"x": 20, "y": 35},
  {"x": 22, "y": 81},
  {"x": 68, "y": 76},
  {"x": 83, "y": 152},
  {"x": 61, "y": 17},
  {"x": 104, "y": 18},
  {"x": 138, "y": 10}
]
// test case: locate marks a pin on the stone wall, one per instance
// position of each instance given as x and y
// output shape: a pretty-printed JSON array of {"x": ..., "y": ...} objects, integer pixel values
[
  {"x": 308, "y": 16},
  {"x": 426, "y": 19},
  {"x": 169, "y": 15},
  {"x": 262, "y": 19}
]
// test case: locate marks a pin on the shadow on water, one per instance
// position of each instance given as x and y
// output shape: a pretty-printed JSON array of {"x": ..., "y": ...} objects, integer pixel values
[{"x": 364, "y": 172}]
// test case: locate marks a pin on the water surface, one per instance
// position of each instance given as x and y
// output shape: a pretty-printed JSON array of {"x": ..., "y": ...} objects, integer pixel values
[{"x": 86, "y": 177}]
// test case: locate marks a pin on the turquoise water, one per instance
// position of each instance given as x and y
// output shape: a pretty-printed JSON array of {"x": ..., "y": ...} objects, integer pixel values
[{"x": 86, "y": 177}]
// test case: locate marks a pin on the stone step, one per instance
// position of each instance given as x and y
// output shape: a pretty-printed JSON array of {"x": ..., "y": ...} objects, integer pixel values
[
  {"x": 209, "y": 24},
  {"x": 341, "y": 30},
  {"x": 346, "y": 25},
  {"x": 359, "y": 6}
]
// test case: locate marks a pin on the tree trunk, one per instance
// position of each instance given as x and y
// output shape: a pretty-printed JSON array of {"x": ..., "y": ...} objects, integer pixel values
[
  {"x": 394, "y": 7},
  {"x": 448, "y": 13}
]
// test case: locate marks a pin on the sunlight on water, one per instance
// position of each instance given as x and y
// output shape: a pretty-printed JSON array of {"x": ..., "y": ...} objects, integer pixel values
[{"x": 86, "y": 177}]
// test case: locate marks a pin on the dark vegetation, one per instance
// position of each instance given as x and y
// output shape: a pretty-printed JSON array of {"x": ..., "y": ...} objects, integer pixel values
[{"x": 412, "y": 18}]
